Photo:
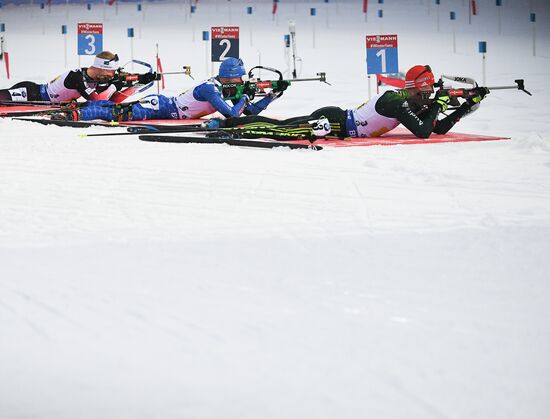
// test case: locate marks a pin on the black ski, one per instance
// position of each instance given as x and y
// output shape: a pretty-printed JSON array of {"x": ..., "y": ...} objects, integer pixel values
[
  {"x": 74, "y": 124},
  {"x": 150, "y": 129},
  {"x": 29, "y": 103},
  {"x": 153, "y": 129},
  {"x": 22, "y": 113},
  {"x": 226, "y": 140}
]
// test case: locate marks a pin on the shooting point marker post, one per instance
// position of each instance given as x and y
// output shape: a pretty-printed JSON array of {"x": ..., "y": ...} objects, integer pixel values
[
  {"x": 249, "y": 11},
  {"x": 192, "y": 11},
  {"x": 313, "y": 13},
  {"x": 382, "y": 56},
  {"x": 292, "y": 30},
  {"x": 327, "y": 14},
  {"x": 483, "y": 51},
  {"x": 452, "y": 16},
  {"x": 499, "y": 6},
  {"x": 3, "y": 50},
  {"x": 206, "y": 38},
  {"x": 64, "y": 33},
  {"x": 131, "y": 36},
  {"x": 533, "y": 20},
  {"x": 438, "y": 3}
]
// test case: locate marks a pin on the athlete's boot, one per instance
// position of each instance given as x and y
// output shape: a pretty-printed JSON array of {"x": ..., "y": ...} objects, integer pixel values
[
  {"x": 213, "y": 123},
  {"x": 68, "y": 115}
]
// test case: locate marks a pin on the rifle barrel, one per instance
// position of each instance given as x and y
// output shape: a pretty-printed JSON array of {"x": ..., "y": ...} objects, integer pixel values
[
  {"x": 312, "y": 79},
  {"x": 502, "y": 87},
  {"x": 322, "y": 78},
  {"x": 509, "y": 87}
]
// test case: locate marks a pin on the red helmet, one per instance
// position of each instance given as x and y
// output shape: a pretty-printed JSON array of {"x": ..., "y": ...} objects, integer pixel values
[{"x": 419, "y": 76}]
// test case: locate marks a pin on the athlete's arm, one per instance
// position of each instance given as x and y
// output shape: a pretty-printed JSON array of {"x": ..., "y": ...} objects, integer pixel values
[
  {"x": 75, "y": 81},
  {"x": 209, "y": 93},
  {"x": 444, "y": 125},
  {"x": 259, "y": 106},
  {"x": 395, "y": 105}
]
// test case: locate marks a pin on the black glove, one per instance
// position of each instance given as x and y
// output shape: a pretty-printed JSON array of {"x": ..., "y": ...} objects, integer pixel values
[
  {"x": 147, "y": 78},
  {"x": 481, "y": 93},
  {"x": 101, "y": 87},
  {"x": 249, "y": 91},
  {"x": 442, "y": 98},
  {"x": 282, "y": 85}
]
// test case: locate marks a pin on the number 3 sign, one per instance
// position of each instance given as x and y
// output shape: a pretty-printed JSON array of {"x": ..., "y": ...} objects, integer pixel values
[
  {"x": 382, "y": 54},
  {"x": 225, "y": 42},
  {"x": 90, "y": 38}
]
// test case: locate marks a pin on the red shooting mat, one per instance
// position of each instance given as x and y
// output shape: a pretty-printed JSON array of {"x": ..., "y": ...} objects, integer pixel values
[
  {"x": 397, "y": 136},
  {"x": 402, "y": 136}
]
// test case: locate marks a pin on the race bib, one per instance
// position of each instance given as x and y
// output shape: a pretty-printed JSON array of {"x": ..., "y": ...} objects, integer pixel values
[
  {"x": 150, "y": 103},
  {"x": 18, "y": 95}
]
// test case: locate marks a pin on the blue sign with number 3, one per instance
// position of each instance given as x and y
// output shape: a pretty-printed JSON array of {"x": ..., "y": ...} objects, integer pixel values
[{"x": 90, "y": 38}]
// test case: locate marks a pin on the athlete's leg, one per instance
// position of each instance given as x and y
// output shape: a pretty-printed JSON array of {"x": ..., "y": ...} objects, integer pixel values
[
  {"x": 99, "y": 109},
  {"x": 250, "y": 119},
  {"x": 23, "y": 91},
  {"x": 291, "y": 128},
  {"x": 153, "y": 107},
  {"x": 150, "y": 107},
  {"x": 337, "y": 118}
]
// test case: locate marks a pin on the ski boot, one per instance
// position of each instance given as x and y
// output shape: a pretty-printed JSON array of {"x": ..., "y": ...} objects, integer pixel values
[
  {"x": 66, "y": 115},
  {"x": 213, "y": 123}
]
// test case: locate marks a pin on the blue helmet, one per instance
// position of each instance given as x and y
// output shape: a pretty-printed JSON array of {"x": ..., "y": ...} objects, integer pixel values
[{"x": 231, "y": 68}]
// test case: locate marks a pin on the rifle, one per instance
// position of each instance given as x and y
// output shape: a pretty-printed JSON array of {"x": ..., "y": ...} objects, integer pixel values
[
  {"x": 131, "y": 77},
  {"x": 186, "y": 71},
  {"x": 476, "y": 90},
  {"x": 256, "y": 87}
]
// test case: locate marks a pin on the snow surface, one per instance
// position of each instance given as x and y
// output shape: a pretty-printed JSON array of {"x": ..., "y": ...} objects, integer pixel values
[{"x": 145, "y": 280}]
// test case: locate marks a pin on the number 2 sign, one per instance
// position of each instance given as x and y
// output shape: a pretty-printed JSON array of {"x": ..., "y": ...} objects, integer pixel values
[
  {"x": 90, "y": 38},
  {"x": 382, "y": 54},
  {"x": 225, "y": 42}
]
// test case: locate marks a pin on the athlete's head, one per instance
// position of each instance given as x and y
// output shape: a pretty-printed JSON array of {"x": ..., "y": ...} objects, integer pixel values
[
  {"x": 231, "y": 70},
  {"x": 104, "y": 67},
  {"x": 419, "y": 82}
]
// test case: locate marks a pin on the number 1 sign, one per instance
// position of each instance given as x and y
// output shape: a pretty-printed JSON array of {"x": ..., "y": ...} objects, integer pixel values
[
  {"x": 225, "y": 42},
  {"x": 382, "y": 54}
]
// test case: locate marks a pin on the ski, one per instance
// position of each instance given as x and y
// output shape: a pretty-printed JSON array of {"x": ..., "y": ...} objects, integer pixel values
[
  {"x": 22, "y": 113},
  {"x": 73, "y": 124},
  {"x": 184, "y": 128},
  {"x": 29, "y": 103},
  {"x": 226, "y": 140},
  {"x": 150, "y": 129}
]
